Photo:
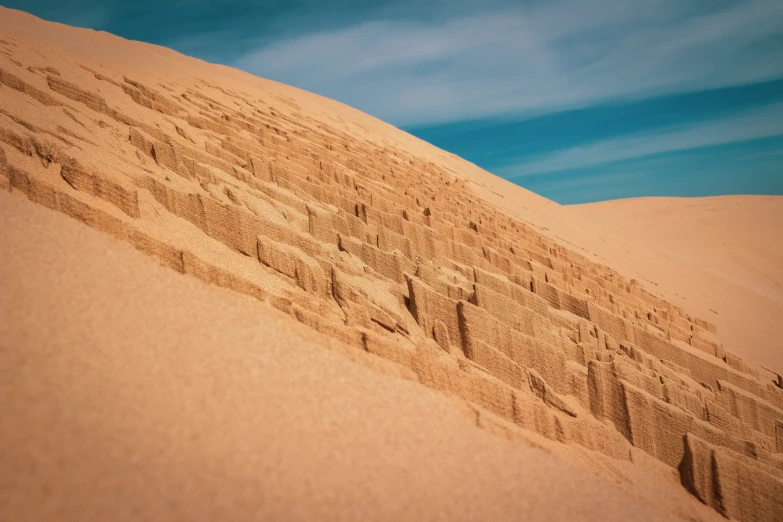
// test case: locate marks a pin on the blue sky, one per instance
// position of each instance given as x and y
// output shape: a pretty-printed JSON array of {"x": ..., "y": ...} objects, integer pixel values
[{"x": 578, "y": 100}]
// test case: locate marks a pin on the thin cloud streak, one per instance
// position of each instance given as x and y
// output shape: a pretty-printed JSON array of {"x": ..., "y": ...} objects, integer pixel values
[
  {"x": 758, "y": 123},
  {"x": 549, "y": 57}
]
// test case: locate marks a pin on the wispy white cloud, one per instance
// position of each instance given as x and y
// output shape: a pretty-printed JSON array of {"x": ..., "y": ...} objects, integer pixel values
[
  {"x": 581, "y": 182},
  {"x": 758, "y": 123},
  {"x": 547, "y": 56},
  {"x": 93, "y": 14}
]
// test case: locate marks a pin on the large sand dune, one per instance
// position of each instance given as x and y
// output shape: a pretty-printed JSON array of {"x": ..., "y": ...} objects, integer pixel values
[
  {"x": 131, "y": 392},
  {"x": 343, "y": 322}
]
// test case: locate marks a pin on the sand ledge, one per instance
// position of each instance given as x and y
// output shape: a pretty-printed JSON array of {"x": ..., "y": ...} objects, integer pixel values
[{"x": 392, "y": 253}]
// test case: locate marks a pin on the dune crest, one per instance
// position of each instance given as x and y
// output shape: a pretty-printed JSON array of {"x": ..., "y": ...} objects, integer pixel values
[{"x": 393, "y": 253}]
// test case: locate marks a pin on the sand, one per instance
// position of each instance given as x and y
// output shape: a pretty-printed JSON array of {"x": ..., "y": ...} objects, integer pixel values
[
  {"x": 720, "y": 257},
  {"x": 134, "y": 393},
  {"x": 227, "y": 298}
]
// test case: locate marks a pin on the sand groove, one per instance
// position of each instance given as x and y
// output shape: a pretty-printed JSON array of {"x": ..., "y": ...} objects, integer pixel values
[{"x": 387, "y": 252}]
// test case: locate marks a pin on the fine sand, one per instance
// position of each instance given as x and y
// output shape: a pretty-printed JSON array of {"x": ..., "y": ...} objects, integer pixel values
[
  {"x": 720, "y": 257},
  {"x": 131, "y": 392},
  {"x": 227, "y": 298}
]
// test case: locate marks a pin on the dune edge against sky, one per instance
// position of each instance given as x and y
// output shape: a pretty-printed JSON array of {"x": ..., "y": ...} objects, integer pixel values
[{"x": 308, "y": 206}]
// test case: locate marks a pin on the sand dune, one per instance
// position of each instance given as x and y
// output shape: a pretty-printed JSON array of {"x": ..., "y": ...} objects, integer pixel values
[
  {"x": 720, "y": 257},
  {"x": 149, "y": 395},
  {"x": 343, "y": 321}
]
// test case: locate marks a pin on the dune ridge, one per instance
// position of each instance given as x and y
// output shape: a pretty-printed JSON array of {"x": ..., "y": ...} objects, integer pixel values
[{"x": 398, "y": 255}]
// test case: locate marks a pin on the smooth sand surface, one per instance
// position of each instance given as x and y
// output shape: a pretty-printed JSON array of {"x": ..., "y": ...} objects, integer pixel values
[
  {"x": 721, "y": 257},
  {"x": 131, "y": 392},
  {"x": 227, "y": 298}
]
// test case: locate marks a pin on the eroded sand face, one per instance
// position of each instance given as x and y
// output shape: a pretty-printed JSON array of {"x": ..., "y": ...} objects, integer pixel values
[{"x": 340, "y": 232}]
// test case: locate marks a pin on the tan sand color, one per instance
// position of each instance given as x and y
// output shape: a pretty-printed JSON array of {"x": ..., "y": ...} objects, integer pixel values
[
  {"x": 479, "y": 363},
  {"x": 719, "y": 257}
]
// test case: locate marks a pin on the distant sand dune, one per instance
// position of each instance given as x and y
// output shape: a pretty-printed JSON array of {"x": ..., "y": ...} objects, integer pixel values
[
  {"x": 347, "y": 323},
  {"x": 721, "y": 257}
]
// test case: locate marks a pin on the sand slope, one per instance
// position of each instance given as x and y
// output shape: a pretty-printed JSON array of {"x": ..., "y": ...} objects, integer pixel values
[
  {"x": 720, "y": 257},
  {"x": 151, "y": 396},
  {"x": 465, "y": 301}
]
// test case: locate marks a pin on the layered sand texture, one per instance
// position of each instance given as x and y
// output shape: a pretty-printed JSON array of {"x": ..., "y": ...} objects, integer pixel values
[{"x": 343, "y": 322}]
